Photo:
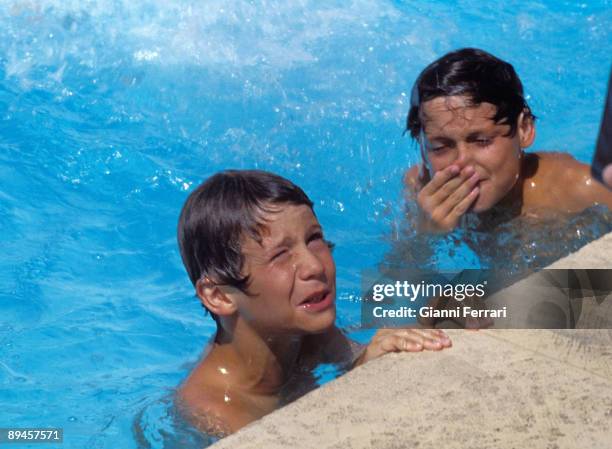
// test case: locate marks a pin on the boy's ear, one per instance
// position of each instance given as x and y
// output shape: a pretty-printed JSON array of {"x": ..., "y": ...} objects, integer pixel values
[
  {"x": 526, "y": 129},
  {"x": 214, "y": 298}
]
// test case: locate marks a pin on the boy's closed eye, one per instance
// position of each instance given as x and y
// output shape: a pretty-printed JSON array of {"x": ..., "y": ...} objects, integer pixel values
[
  {"x": 317, "y": 239},
  {"x": 438, "y": 148},
  {"x": 480, "y": 140},
  {"x": 439, "y": 144},
  {"x": 279, "y": 254},
  {"x": 483, "y": 142}
]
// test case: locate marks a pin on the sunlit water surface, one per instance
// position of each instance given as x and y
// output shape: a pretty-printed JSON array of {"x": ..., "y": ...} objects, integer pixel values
[{"x": 112, "y": 111}]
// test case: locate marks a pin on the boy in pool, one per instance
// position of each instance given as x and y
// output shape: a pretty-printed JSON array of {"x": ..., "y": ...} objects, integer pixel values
[
  {"x": 472, "y": 123},
  {"x": 256, "y": 254}
]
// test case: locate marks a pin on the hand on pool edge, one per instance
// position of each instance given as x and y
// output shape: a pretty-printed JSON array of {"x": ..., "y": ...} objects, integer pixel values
[{"x": 404, "y": 340}]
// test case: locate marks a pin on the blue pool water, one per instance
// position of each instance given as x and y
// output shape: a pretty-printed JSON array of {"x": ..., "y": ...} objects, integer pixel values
[{"x": 111, "y": 111}]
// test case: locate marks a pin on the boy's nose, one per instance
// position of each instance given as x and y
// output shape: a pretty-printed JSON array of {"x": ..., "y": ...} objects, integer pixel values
[
  {"x": 464, "y": 155},
  {"x": 309, "y": 265}
]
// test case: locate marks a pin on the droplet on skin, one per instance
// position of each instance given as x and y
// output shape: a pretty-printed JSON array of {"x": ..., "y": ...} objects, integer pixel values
[{"x": 223, "y": 370}]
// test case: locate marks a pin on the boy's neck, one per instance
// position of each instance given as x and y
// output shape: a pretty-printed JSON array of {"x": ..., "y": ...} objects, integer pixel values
[{"x": 255, "y": 364}]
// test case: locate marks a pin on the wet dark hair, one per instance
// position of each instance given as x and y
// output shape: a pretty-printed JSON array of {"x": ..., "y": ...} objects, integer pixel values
[
  {"x": 475, "y": 74},
  {"x": 220, "y": 212}
]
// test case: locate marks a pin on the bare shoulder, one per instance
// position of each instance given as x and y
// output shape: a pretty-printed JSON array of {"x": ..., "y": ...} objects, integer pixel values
[
  {"x": 202, "y": 405},
  {"x": 562, "y": 161},
  {"x": 211, "y": 408},
  {"x": 562, "y": 171},
  {"x": 571, "y": 181}
]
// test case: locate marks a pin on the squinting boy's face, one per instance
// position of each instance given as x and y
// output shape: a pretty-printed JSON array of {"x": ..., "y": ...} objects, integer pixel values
[
  {"x": 292, "y": 274},
  {"x": 463, "y": 135}
]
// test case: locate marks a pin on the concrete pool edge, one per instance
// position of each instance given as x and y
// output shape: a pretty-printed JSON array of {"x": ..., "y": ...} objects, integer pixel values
[{"x": 494, "y": 388}]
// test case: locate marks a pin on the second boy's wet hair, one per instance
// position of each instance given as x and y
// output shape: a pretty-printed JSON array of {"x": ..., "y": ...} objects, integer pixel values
[
  {"x": 220, "y": 213},
  {"x": 475, "y": 74}
]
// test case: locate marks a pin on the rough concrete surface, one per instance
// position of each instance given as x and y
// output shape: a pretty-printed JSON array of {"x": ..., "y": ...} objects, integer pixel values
[{"x": 494, "y": 389}]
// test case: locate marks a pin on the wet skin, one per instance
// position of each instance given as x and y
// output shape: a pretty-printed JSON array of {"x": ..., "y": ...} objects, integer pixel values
[
  {"x": 607, "y": 175},
  {"x": 292, "y": 264},
  {"x": 285, "y": 323},
  {"x": 472, "y": 164}
]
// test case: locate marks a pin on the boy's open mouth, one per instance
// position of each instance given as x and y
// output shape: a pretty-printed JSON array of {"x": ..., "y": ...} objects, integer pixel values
[{"x": 317, "y": 301}]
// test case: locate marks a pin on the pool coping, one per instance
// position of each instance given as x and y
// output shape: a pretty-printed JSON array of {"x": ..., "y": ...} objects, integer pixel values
[{"x": 494, "y": 388}]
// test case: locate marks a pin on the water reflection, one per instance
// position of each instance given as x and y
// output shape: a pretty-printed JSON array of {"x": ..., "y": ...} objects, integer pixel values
[
  {"x": 162, "y": 425},
  {"x": 512, "y": 246}
]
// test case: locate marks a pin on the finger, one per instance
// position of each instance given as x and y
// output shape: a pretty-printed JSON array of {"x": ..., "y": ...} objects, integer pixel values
[
  {"x": 397, "y": 343},
  {"x": 436, "y": 336},
  {"x": 448, "y": 205},
  {"x": 441, "y": 336},
  {"x": 426, "y": 341},
  {"x": 435, "y": 198},
  {"x": 462, "y": 191},
  {"x": 445, "y": 338},
  {"x": 441, "y": 203},
  {"x": 420, "y": 338},
  {"x": 439, "y": 179},
  {"x": 429, "y": 343},
  {"x": 431, "y": 334},
  {"x": 465, "y": 204}
]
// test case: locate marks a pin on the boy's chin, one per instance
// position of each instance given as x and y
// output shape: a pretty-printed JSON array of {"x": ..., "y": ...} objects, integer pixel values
[
  {"x": 479, "y": 208},
  {"x": 483, "y": 203},
  {"x": 322, "y": 324}
]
